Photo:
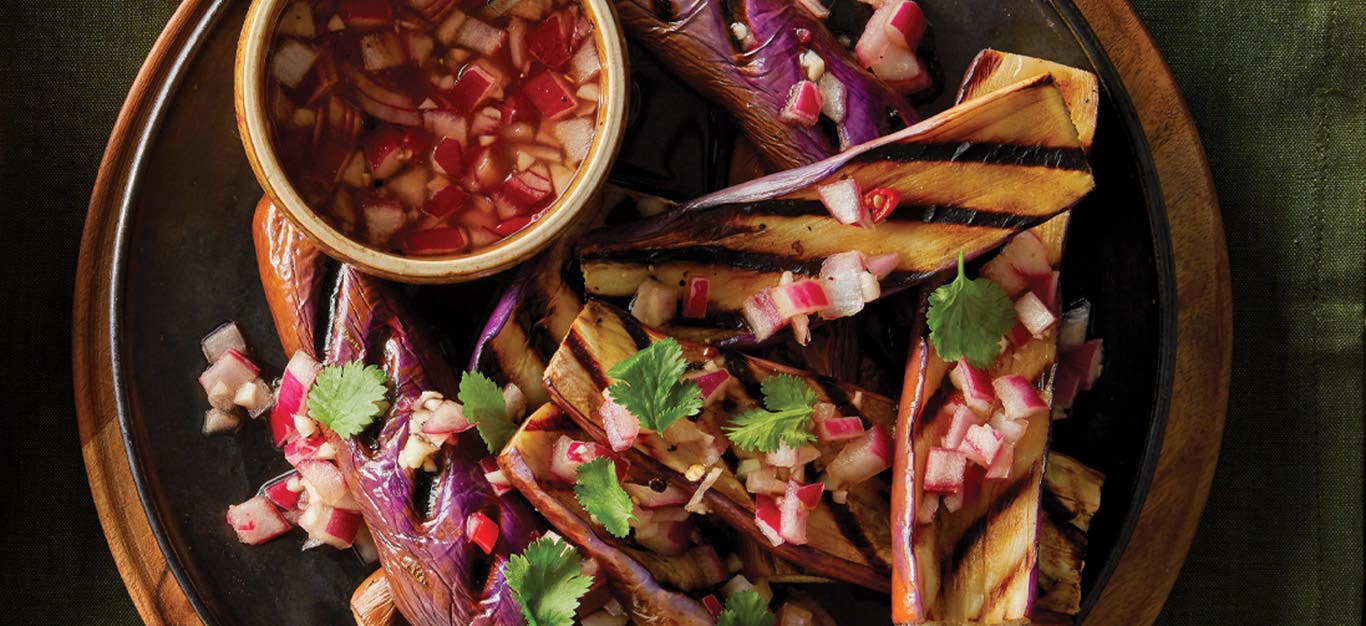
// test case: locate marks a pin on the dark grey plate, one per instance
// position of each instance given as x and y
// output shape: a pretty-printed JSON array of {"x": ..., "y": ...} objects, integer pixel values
[{"x": 184, "y": 263}]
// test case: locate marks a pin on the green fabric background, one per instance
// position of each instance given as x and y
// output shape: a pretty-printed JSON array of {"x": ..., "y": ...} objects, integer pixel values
[{"x": 1277, "y": 90}]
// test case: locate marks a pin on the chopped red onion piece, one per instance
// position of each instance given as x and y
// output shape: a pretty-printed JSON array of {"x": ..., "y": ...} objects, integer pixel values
[{"x": 256, "y": 521}]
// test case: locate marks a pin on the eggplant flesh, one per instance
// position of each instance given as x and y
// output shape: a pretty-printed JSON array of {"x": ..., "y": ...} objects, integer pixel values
[
  {"x": 1071, "y": 496},
  {"x": 849, "y": 542},
  {"x": 696, "y": 41},
  {"x": 434, "y": 575},
  {"x": 970, "y": 178},
  {"x": 992, "y": 69}
]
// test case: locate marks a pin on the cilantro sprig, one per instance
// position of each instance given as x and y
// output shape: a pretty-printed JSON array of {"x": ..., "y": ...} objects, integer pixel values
[
  {"x": 746, "y": 608},
  {"x": 547, "y": 580},
  {"x": 597, "y": 489},
  {"x": 347, "y": 397},
  {"x": 482, "y": 403},
  {"x": 785, "y": 418},
  {"x": 649, "y": 384},
  {"x": 968, "y": 317}
]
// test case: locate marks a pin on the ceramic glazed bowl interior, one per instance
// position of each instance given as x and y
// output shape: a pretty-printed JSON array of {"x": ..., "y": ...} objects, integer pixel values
[{"x": 249, "y": 93}]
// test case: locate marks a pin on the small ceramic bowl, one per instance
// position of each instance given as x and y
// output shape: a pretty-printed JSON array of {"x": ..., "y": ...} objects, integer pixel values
[{"x": 253, "y": 124}]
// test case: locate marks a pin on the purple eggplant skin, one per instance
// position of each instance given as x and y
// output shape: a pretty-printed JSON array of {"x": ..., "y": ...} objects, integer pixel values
[
  {"x": 436, "y": 577},
  {"x": 694, "y": 39}
]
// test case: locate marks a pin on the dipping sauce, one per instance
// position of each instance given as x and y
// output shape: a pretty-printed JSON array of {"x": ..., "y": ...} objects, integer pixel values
[{"x": 432, "y": 127}]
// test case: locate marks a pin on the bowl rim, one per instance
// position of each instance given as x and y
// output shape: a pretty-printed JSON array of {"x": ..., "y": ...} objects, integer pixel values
[{"x": 249, "y": 92}]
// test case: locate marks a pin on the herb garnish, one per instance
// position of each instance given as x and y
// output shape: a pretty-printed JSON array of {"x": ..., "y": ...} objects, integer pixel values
[
  {"x": 347, "y": 397},
  {"x": 746, "y": 608},
  {"x": 482, "y": 403},
  {"x": 967, "y": 319},
  {"x": 650, "y": 385},
  {"x": 788, "y": 403},
  {"x": 547, "y": 580},
  {"x": 597, "y": 489}
]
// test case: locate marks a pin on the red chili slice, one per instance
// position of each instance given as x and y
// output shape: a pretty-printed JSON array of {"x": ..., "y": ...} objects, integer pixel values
[{"x": 881, "y": 202}]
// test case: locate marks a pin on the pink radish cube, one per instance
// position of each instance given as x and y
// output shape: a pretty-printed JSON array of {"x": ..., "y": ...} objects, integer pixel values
[
  {"x": 945, "y": 470},
  {"x": 794, "y": 510},
  {"x": 695, "y": 301},
  {"x": 481, "y": 531},
  {"x": 803, "y": 106},
  {"x": 471, "y": 88},
  {"x": 528, "y": 190},
  {"x": 445, "y": 201},
  {"x": 329, "y": 525},
  {"x": 862, "y": 458},
  {"x": 233, "y": 369},
  {"x": 620, "y": 425},
  {"x": 225, "y": 337},
  {"x": 799, "y": 298},
  {"x": 648, "y": 498},
  {"x": 1034, "y": 314},
  {"x": 494, "y": 474},
  {"x": 552, "y": 97},
  {"x": 1000, "y": 468},
  {"x": 905, "y": 24},
  {"x": 299, "y": 450},
  {"x": 1019, "y": 335},
  {"x": 981, "y": 444},
  {"x": 480, "y": 36},
  {"x": 839, "y": 428},
  {"x": 327, "y": 482},
  {"x": 444, "y": 240},
  {"x": 585, "y": 64},
  {"x": 842, "y": 276},
  {"x": 447, "y": 419},
  {"x": 1022, "y": 258},
  {"x": 761, "y": 313},
  {"x": 549, "y": 41},
  {"x": 963, "y": 419},
  {"x": 256, "y": 521},
  {"x": 808, "y": 495},
  {"x": 1011, "y": 430},
  {"x": 976, "y": 386},
  {"x": 768, "y": 518},
  {"x": 712, "y": 384},
  {"x": 1018, "y": 397},
  {"x": 278, "y": 491},
  {"x": 447, "y": 157},
  {"x": 561, "y": 467},
  {"x": 580, "y": 452},
  {"x": 843, "y": 198},
  {"x": 1047, "y": 288}
]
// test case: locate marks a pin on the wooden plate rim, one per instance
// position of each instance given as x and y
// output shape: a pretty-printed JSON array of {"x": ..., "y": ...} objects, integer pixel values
[{"x": 1160, "y": 537}]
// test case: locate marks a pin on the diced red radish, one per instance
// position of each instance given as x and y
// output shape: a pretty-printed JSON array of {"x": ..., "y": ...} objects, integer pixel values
[
  {"x": 561, "y": 467},
  {"x": 437, "y": 241},
  {"x": 648, "y": 498},
  {"x": 292, "y": 61},
  {"x": 1079, "y": 366},
  {"x": 795, "y": 509},
  {"x": 279, "y": 493},
  {"x": 712, "y": 604},
  {"x": 1001, "y": 466},
  {"x": 585, "y": 64},
  {"x": 843, "y": 198},
  {"x": 298, "y": 377},
  {"x": 1019, "y": 335},
  {"x": 906, "y": 24},
  {"x": 447, "y": 419},
  {"x": 1019, "y": 398},
  {"x": 1047, "y": 288},
  {"x": 976, "y": 386},
  {"x": 381, "y": 51},
  {"x": 218, "y": 421},
  {"x": 761, "y": 314},
  {"x": 226, "y": 337},
  {"x": 488, "y": 121},
  {"x": 768, "y": 518},
  {"x": 492, "y": 473},
  {"x": 383, "y": 218},
  {"x": 327, "y": 482},
  {"x": 232, "y": 370},
  {"x": 833, "y": 97},
  {"x": 480, "y": 36},
  {"x": 256, "y": 521},
  {"x": 481, "y": 531},
  {"x": 1011, "y": 430},
  {"x": 901, "y": 69},
  {"x": 981, "y": 444},
  {"x": 528, "y": 189},
  {"x": 299, "y": 450},
  {"x": 255, "y": 397},
  {"x": 839, "y": 428},
  {"x": 552, "y": 97},
  {"x": 784, "y": 456},
  {"x": 365, "y": 13},
  {"x": 509, "y": 226},
  {"x": 841, "y": 275},
  {"x": 474, "y": 85},
  {"x": 654, "y": 304},
  {"x": 446, "y": 157},
  {"x": 882, "y": 265},
  {"x": 862, "y": 458},
  {"x": 1034, "y": 314},
  {"x": 1023, "y": 257},
  {"x": 803, "y": 106},
  {"x": 549, "y": 42},
  {"x": 329, "y": 525},
  {"x": 444, "y": 201},
  {"x": 577, "y": 137},
  {"x": 384, "y": 152},
  {"x": 790, "y": 614},
  {"x": 621, "y": 427},
  {"x": 962, "y": 419},
  {"x": 945, "y": 470},
  {"x": 695, "y": 302},
  {"x": 799, "y": 298}
]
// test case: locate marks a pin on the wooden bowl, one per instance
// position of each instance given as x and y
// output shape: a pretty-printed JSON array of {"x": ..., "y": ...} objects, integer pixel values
[{"x": 249, "y": 93}]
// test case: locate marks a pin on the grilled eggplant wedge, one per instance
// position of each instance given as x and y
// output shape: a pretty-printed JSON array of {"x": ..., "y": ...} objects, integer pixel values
[
  {"x": 970, "y": 178},
  {"x": 695, "y": 40},
  {"x": 1071, "y": 496},
  {"x": 847, "y": 541},
  {"x": 992, "y": 69}
]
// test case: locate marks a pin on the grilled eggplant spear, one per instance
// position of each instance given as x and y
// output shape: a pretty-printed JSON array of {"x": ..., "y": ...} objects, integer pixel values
[
  {"x": 435, "y": 576},
  {"x": 992, "y": 69},
  {"x": 848, "y": 542},
  {"x": 969, "y": 178},
  {"x": 696, "y": 40}
]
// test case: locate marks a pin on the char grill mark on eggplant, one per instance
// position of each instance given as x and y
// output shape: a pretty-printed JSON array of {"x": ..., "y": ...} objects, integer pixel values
[
  {"x": 577, "y": 376},
  {"x": 693, "y": 39},
  {"x": 434, "y": 575},
  {"x": 977, "y": 175}
]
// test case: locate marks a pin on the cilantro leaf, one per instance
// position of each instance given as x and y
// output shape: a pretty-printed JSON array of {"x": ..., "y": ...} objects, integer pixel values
[
  {"x": 597, "y": 489},
  {"x": 347, "y": 397},
  {"x": 649, "y": 384},
  {"x": 788, "y": 403},
  {"x": 968, "y": 317},
  {"x": 547, "y": 580},
  {"x": 482, "y": 403},
  {"x": 746, "y": 608}
]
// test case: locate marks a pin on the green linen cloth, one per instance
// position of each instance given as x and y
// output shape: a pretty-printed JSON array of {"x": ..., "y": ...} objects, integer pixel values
[{"x": 1279, "y": 94}]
